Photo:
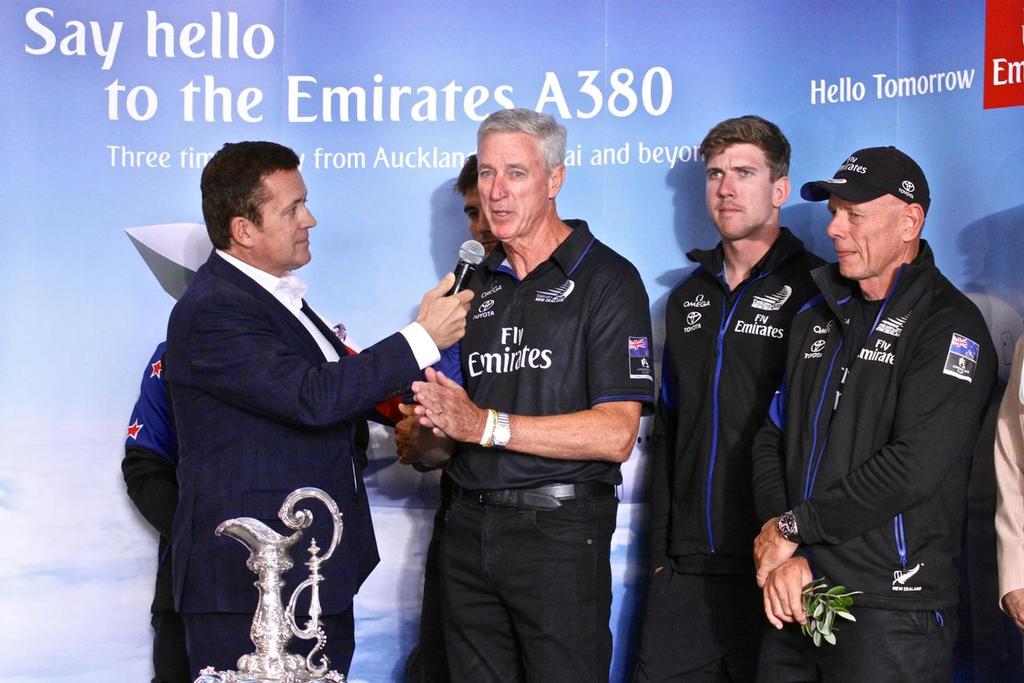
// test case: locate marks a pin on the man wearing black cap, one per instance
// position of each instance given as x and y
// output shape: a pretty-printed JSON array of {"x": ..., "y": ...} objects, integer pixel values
[{"x": 861, "y": 470}]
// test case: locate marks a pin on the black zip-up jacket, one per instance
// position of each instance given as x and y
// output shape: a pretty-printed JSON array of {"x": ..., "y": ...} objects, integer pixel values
[
  {"x": 878, "y": 483},
  {"x": 724, "y": 357}
]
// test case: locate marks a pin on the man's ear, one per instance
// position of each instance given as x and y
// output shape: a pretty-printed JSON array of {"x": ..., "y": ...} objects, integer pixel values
[
  {"x": 780, "y": 191},
  {"x": 911, "y": 222},
  {"x": 555, "y": 181},
  {"x": 242, "y": 230}
]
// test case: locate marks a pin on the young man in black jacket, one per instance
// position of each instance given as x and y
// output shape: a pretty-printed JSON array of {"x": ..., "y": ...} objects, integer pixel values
[
  {"x": 727, "y": 326},
  {"x": 861, "y": 472}
]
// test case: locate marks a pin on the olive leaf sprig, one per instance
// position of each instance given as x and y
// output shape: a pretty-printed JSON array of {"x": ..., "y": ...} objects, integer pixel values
[{"x": 822, "y": 605}]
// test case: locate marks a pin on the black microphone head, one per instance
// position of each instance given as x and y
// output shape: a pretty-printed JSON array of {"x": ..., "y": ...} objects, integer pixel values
[{"x": 471, "y": 252}]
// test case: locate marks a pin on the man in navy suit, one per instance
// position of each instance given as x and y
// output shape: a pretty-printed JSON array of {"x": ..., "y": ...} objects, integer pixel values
[{"x": 267, "y": 399}]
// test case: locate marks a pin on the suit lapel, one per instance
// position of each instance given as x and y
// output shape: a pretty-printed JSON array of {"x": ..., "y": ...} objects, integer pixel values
[{"x": 275, "y": 309}]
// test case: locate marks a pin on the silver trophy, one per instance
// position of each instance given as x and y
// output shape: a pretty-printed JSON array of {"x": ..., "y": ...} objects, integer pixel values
[{"x": 273, "y": 625}]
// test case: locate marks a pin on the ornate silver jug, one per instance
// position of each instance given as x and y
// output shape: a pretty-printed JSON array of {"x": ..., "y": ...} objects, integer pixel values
[{"x": 273, "y": 625}]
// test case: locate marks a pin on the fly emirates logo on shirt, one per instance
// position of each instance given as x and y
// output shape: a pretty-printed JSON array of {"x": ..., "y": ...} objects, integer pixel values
[
  {"x": 513, "y": 356},
  {"x": 760, "y": 326}
]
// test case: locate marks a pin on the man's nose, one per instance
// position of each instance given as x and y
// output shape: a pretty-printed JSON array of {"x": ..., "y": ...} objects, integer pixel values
[
  {"x": 836, "y": 227},
  {"x": 499, "y": 188},
  {"x": 726, "y": 187}
]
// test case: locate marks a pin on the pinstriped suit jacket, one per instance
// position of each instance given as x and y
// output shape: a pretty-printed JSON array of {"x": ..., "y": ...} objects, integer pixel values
[{"x": 259, "y": 413}]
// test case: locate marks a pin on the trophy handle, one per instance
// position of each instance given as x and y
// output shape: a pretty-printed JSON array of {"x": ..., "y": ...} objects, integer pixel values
[
  {"x": 300, "y": 520},
  {"x": 303, "y": 518},
  {"x": 313, "y": 627}
]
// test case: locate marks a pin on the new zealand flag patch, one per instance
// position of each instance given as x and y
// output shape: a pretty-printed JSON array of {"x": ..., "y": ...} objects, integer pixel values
[
  {"x": 962, "y": 358},
  {"x": 639, "y": 359},
  {"x": 638, "y": 346}
]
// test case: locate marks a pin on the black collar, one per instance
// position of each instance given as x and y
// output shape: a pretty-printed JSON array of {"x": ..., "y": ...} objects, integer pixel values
[
  {"x": 567, "y": 255},
  {"x": 785, "y": 246},
  {"x": 836, "y": 288}
]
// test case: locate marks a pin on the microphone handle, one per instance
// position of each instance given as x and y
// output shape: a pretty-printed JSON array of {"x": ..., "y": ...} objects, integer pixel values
[{"x": 462, "y": 272}]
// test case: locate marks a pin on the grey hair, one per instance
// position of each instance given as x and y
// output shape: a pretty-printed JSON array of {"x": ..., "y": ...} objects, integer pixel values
[{"x": 550, "y": 134}]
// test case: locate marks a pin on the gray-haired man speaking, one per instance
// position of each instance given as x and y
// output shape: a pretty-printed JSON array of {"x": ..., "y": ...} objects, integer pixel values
[{"x": 556, "y": 365}]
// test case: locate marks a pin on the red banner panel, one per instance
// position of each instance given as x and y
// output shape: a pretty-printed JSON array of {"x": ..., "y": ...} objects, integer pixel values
[{"x": 1004, "y": 53}]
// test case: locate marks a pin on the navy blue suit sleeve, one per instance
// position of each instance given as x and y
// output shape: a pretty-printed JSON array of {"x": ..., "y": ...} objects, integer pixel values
[{"x": 235, "y": 352}]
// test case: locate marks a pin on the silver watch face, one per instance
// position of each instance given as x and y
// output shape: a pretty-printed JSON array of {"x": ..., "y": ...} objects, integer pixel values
[
  {"x": 502, "y": 431},
  {"x": 502, "y": 434}
]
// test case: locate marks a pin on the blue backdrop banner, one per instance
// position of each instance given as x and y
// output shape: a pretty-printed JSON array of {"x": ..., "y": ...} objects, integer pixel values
[{"x": 111, "y": 110}]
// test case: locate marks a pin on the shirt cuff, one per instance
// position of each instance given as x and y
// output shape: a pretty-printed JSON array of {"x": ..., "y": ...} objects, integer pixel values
[{"x": 423, "y": 347}]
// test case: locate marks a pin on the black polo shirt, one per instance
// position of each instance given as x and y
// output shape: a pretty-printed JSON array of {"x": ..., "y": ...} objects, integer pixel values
[{"x": 574, "y": 333}]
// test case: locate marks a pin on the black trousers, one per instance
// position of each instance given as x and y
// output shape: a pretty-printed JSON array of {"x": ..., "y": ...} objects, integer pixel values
[
  {"x": 528, "y": 592},
  {"x": 170, "y": 659},
  {"x": 882, "y": 645},
  {"x": 700, "y": 628},
  {"x": 219, "y": 639},
  {"x": 428, "y": 661}
]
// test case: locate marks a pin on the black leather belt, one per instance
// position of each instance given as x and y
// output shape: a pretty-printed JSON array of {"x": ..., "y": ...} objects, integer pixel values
[{"x": 548, "y": 497}]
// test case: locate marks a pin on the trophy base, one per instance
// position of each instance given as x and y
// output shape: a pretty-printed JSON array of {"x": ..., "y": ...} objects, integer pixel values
[{"x": 210, "y": 675}]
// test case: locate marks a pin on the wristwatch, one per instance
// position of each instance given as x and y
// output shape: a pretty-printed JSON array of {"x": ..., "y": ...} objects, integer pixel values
[
  {"x": 502, "y": 430},
  {"x": 788, "y": 527}
]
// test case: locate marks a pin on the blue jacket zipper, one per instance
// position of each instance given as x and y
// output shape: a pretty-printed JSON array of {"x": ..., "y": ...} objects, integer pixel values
[
  {"x": 816, "y": 453},
  {"x": 901, "y": 541},
  {"x": 722, "y": 329}
]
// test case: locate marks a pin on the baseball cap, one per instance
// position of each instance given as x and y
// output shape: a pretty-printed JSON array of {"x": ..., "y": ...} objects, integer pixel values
[{"x": 870, "y": 173}]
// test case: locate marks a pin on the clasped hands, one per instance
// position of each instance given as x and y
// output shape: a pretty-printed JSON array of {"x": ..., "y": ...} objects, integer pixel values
[
  {"x": 417, "y": 445},
  {"x": 442, "y": 415},
  {"x": 781, "y": 575}
]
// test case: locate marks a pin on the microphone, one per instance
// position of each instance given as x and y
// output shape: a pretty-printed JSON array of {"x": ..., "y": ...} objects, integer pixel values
[{"x": 471, "y": 254}]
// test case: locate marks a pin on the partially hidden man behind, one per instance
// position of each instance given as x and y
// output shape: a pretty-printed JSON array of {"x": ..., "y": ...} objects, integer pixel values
[
  {"x": 149, "y": 469},
  {"x": 266, "y": 399},
  {"x": 428, "y": 661},
  {"x": 727, "y": 325},
  {"x": 557, "y": 369},
  {"x": 861, "y": 471}
]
